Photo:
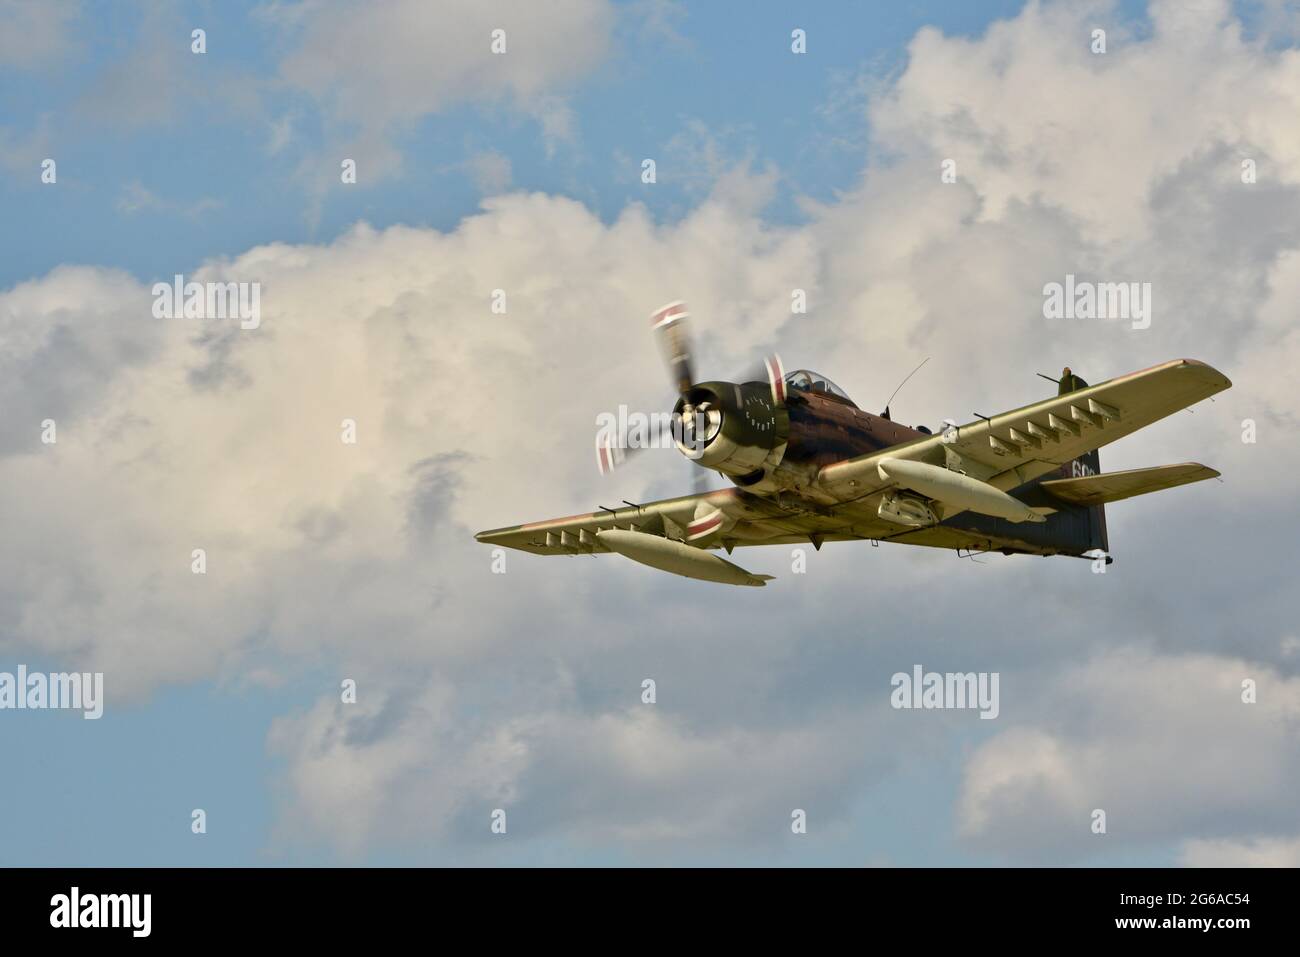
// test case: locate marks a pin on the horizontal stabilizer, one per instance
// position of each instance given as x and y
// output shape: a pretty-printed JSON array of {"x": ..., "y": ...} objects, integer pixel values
[{"x": 1114, "y": 486}]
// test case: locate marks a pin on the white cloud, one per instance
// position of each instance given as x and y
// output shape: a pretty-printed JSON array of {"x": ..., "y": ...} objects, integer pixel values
[
  {"x": 491, "y": 172},
  {"x": 22, "y": 153},
  {"x": 422, "y": 59},
  {"x": 361, "y": 771},
  {"x": 36, "y": 35},
  {"x": 423, "y": 765},
  {"x": 1265, "y": 852},
  {"x": 158, "y": 78},
  {"x": 1032, "y": 116},
  {"x": 698, "y": 157},
  {"x": 1163, "y": 744},
  {"x": 281, "y": 134},
  {"x": 230, "y": 440},
  {"x": 135, "y": 198}
]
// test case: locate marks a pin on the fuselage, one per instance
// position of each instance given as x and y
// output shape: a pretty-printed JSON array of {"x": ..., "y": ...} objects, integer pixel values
[
  {"x": 826, "y": 429},
  {"x": 769, "y": 447},
  {"x": 777, "y": 449}
]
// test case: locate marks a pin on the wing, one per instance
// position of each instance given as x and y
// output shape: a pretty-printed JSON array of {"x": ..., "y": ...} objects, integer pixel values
[
  {"x": 695, "y": 519},
  {"x": 1015, "y": 447},
  {"x": 725, "y": 518}
]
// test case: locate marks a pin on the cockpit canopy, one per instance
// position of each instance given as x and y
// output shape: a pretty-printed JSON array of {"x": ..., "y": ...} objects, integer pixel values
[{"x": 815, "y": 382}]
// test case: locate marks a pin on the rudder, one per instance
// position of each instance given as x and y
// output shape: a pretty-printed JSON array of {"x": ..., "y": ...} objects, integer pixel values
[{"x": 1087, "y": 464}]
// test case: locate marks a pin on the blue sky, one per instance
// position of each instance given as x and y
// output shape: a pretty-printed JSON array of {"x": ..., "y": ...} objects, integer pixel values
[
  {"x": 725, "y": 66},
  {"x": 168, "y": 160}
]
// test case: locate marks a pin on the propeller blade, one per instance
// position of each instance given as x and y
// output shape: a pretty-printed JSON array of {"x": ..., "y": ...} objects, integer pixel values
[
  {"x": 670, "y": 328},
  {"x": 608, "y": 455},
  {"x": 669, "y": 324},
  {"x": 770, "y": 371},
  {"x": 613, "y": 450},
  {"x": 775, "y": 378}
]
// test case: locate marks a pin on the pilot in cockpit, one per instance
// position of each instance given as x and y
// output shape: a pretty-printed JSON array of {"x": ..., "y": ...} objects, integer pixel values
[{"x": 813, "y": 382}]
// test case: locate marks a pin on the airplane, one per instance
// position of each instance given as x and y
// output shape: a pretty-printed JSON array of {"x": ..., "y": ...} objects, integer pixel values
[{"x": 809, "y": 466}]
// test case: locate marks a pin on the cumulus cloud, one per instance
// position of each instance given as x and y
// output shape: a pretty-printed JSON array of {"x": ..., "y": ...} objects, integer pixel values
[
  {"x": 1163, "y": 744},
  {"x": 475, "y": 687},
  {"x": 230, "y": 440},
  {"x": 1280, "y": 852},
  {"x": 996, "y": 106},
  {"x": 158, "y": 79},
  {"x": 421, "y": 765},
  {"x": 36, "y": 35},
  {"x": 422, "y": 59}
]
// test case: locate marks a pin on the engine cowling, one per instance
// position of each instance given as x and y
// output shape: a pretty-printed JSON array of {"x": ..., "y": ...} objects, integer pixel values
[{"x": 736, "y": 429}]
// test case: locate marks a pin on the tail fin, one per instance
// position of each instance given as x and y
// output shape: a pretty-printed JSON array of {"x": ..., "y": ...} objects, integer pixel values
[
  {"x": 1084, "y": 465},
  {"x": 1073, "y": 527},
  {"x": 1091, "y": 528}
]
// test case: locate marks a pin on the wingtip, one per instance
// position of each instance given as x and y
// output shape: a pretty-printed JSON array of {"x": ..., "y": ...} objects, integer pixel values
[{"x": 1221, "y": 380}]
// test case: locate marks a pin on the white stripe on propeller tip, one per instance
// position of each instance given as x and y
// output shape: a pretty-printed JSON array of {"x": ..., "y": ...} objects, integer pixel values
[
  {"x": 607, "y": 456},
  {"x": 776, "y": 378},
  {"x": 666, "y": 315}
]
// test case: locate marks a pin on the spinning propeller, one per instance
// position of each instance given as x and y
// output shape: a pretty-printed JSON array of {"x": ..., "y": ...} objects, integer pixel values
[{"x": 698, "y": 416}]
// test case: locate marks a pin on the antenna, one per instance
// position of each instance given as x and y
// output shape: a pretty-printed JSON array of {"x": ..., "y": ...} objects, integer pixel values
[{"x": 904, "y": 382}]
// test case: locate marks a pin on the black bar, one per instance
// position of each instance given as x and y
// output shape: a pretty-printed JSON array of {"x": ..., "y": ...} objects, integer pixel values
[{"x": 332, "y": 905}]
